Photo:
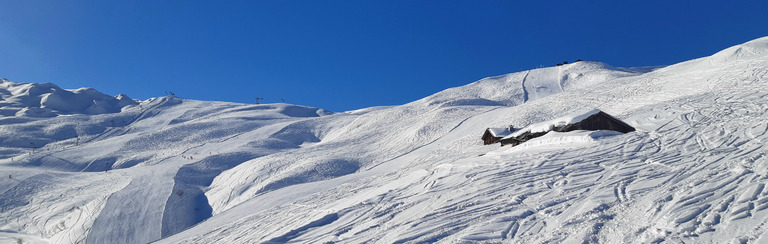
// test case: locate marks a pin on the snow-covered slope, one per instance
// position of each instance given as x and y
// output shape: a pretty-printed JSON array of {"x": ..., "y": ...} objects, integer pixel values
[
  {"x": 211, "y": 172},
  {"x": 517, "y": 88},
  {"x": 48, "y": 100}
]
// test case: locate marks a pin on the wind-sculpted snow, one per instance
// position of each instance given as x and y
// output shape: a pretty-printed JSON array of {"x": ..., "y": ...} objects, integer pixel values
[
  {"x": 48, "y": 100},
  {"x": 212, "y": 172}
]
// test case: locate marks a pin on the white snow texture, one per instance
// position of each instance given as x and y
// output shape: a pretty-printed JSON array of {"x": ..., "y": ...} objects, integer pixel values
[{"x": 79, "y": 166}]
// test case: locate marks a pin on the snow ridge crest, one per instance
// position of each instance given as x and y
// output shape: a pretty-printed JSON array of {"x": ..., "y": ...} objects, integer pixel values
[{"x": 49, "y": 100}]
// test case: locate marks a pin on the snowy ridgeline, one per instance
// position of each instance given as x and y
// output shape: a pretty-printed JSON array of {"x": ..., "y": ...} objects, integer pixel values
[
  {"x": 48, "y": 100},
  {"x": 178, "y": 170}
]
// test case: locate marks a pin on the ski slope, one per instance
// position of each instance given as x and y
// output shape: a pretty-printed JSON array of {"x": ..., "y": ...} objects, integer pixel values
[
  {"x": 186, "y": 171},
  {"x": 540, "y": 83}
]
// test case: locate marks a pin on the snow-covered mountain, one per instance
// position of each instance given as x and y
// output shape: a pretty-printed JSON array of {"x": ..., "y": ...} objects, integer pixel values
[
  {"x": 82, "y": 167},
  {"x": 48, "y": 100}
]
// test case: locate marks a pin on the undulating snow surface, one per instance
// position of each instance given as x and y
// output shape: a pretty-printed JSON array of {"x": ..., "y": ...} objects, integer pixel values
[
  {"x": 182, "y": 171},
  {"x": 48, "y": 100}
]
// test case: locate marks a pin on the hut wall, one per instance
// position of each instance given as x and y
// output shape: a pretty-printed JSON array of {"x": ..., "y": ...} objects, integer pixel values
[{"x": 489, "y": 139}]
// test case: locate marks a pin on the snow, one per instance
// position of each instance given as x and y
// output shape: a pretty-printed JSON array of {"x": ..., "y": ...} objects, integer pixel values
[
  {"x": 566, "y": 139},
  {"x": 189, "y": 171},
  {"x": 551, "y": 124},
  {"x": 48, "y": 100},
  {"x": 527, "y": 86},
  {"x": 499, "y": 132}
]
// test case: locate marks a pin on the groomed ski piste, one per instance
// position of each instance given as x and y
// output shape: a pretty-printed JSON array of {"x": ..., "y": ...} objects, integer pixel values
[{"x": 172, "y": 170}]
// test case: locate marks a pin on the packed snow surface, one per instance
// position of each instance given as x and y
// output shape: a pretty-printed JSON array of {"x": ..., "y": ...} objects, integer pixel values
[{"x": 174, "y": 170}]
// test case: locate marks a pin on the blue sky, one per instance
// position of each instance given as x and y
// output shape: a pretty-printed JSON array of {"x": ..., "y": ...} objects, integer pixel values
[{"x": 343, "y": 55}]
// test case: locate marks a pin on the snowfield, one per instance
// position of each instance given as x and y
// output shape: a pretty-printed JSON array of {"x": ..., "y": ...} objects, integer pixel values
[{"x": 79, "y": 166}]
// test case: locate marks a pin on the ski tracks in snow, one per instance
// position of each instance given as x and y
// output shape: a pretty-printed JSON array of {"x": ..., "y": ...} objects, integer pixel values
[
  {"x": 693, "y": 171},
  {"x": 706, "y": 166},
  {"x": 522, "y": 84},
  {"x": 663, "y": 184}
]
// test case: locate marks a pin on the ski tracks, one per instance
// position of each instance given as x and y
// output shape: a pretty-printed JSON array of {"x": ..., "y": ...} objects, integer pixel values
[
  {"x": 713, "y": 169},
  {"x": 715, "y": 183},
  {"x": 522, "y": 84}
]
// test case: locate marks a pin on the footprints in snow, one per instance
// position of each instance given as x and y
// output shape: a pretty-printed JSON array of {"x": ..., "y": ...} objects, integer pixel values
[{"x": 620, "y": 191}]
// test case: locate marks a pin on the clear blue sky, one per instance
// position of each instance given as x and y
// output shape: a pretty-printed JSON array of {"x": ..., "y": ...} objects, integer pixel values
[{"x": 343, "y": 55}]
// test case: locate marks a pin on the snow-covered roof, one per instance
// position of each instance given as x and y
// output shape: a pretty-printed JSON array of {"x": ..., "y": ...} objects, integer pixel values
[
  {"x": 499, "y": 132},
  {"x": 551, "y": 124}
]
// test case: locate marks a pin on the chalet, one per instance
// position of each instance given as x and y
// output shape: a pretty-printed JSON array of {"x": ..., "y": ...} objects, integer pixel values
[
  {"x": 493, "y": 135},
  {"x": 591, "y": 120}
]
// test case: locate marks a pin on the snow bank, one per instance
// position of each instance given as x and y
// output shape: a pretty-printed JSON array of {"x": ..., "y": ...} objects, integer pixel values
[{"x": 564, "y": 139}]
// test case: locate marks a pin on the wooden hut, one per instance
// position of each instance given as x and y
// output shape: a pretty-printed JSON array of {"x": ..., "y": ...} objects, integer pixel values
[
  {"x": 592, "y": 120},
  {"x": 493, "y": 135}
]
